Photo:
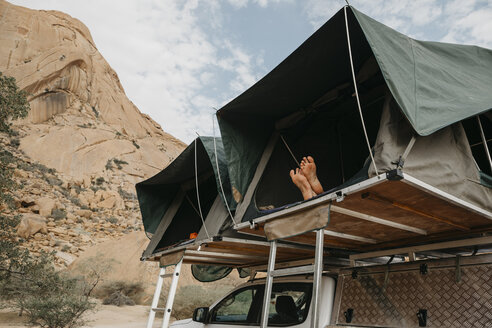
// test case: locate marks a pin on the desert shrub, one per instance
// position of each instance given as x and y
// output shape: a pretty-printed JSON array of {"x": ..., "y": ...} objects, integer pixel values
[
  {"x": 96, "y": 188},
  {"x": 62, "y": 306},
  {"x": 75, "y": 201},
  {"x": 95, "y": 111},
  {"x": 119, "y": 163},
  {"x": 50, "y": 298},
  {"x": 109, "y": 165},
  {"x": 135, "y": 144},
  {"x": 65, "y": 248},
  {"x": 125, "y": 194},
  {"x": 43, "y": 168},
  {"x": 112, "y": 220},
  {"x": 53, "y": 181},
  {"x": 188, "y": 298},
  {"x": 13, "y": 102},
  {"x": 133, "y": 290},
  {"x": 63, "y": 191},
  {"x": 100, "y": 181},
  {"x": 118, "y": 299},
  {"x": 15, "y": 142},
  {"x": 78, "y": 189},
  {"x": 59, "y": 214}
]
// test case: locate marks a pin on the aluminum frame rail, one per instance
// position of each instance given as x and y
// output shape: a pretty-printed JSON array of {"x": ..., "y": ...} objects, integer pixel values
[
  {"x": 316, "y": 269},
  {"x": 170, "y": 298}
]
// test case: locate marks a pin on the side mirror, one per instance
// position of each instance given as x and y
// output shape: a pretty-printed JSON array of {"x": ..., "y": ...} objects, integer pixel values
[{"x": 200, "y": 314}]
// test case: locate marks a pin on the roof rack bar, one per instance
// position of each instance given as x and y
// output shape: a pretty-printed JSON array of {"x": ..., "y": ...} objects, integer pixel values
[
  {"x": 422, "y": 248},
  {"x": 265, "y": 243},
  {"x": 293, "y": 271},
  {"x": 375, "y": 219},
  {"x": 210, "y": 260},
  {"x": 348, "y": 236},
  {"x": 223, "y": 255}
]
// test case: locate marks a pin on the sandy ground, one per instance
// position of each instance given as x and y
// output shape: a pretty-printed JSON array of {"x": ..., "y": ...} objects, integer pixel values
[{"x": 107, "y": 316}]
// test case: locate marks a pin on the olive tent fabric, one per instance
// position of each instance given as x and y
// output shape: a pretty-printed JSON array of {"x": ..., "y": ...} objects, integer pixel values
[
  {"x": 443, "y": 159},
  {"x": 156, "y": 194},
  {"x": 434, "y": 84}
]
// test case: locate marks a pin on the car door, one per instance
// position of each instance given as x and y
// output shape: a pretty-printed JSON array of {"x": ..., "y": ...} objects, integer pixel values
[
  {"x": 289, "y": 306},
  {"x": 240, "y": 309}
]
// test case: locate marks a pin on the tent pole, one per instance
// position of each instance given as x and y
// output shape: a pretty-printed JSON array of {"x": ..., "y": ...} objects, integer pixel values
[
  {"x": 198, "y": 193},
  {"x": 357, "y": 93},
  {"x": 220, "y": 180},
  {"x": 484, "y": 140}
]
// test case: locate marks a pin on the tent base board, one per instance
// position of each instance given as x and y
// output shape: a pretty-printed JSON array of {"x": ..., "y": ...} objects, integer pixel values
[
  {"x": 235, "y": 252},
  {"x": 380, "y": 213}
]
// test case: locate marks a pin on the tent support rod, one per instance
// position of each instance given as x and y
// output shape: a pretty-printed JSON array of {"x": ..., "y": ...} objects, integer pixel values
[
  {"x": 484, "y": 142},
  {"x": 357, "y": 92},
  {"x": 265, "y": 157},
  {"x": 290, "y": 151},
  {"x": 198, "y": 192}
]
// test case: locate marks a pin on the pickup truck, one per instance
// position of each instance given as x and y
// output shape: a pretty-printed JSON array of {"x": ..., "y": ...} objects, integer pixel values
[
  {"x": 290, "y": 305},
  {"x": 451, "y": 292}
]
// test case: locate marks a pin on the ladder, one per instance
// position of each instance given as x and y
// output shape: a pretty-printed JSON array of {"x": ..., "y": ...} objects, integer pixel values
[
  {"x": 170, "y": 297},
  {"x": 316, "y": 269}
]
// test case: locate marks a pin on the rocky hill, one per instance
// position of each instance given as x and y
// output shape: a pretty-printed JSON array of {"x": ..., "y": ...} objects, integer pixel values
[
  {"x": 80, "y": 116},
  {"x": 84, "y": 144}
]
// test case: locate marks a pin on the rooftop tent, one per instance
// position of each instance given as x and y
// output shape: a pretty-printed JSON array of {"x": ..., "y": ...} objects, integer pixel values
[
  {"x": 168, "y": 201},
  {"x": 307, "y": 105}
]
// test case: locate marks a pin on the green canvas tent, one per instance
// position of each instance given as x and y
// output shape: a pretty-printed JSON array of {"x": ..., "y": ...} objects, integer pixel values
[
  {"x": 417, "y": 99},
  {"x": 170, "y": 205}
]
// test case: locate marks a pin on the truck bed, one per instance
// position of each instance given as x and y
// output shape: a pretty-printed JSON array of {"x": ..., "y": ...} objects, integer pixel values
[{"x": 453, "y": 292}]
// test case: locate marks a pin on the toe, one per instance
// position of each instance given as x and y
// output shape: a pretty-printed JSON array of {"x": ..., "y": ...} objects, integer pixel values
[{"x": 310, "y": 159}]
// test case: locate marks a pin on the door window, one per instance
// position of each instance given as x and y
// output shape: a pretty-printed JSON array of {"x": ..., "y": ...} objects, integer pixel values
[
  {"x": 289, "y": 304},
  {"x": 241, "y": 307}
]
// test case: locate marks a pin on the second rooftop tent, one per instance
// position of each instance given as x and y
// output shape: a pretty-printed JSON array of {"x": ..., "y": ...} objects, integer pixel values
[
  {"x": 415, "y": 97},
  {"x": 189, "y": 200}
]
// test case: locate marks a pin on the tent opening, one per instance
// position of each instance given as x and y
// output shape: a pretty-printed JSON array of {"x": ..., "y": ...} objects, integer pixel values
[
  {"x": 332, "y": 134},
  {"x": 475, "y": 140},
  {"x": 187, "y": 219}
]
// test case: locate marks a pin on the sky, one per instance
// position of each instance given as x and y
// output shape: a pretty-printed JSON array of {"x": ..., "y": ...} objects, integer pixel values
[{"x": 180, "y": 60}]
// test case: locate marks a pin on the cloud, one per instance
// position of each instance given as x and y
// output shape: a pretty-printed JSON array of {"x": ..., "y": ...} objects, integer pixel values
[
  {"x": 177, "y": 59},
  {"x": 462, "y": 21},
  {"x": 262, "y": 3},
  {"x": 167, "y": 55}
]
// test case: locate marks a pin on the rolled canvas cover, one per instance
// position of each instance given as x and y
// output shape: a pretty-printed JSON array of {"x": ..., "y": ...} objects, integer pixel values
[
  {"x": 298, "y": 223},
  {"x": 442, "y": 159}
]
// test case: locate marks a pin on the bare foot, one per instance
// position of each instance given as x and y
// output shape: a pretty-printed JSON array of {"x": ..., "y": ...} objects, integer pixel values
[
  {"x": 308, "y": 169},
  {"x": 302, "y": 183}
]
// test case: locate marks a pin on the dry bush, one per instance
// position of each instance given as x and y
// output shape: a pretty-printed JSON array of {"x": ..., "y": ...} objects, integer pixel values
[
  {"x": 118, "y": 299},
  {"x": 133, "y": 290}
]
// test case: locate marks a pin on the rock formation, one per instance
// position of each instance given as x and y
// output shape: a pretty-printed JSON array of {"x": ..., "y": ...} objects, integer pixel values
[
  {"x": 80, "y": 117},
  {"x": 84, "y": 144},
  {"x": 81, "y": 149}
]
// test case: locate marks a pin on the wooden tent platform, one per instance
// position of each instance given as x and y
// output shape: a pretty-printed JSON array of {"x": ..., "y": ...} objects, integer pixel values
[
  {"x": 379, "y": 214},
  {"x": 234, "y": 252},
  {"x": 384, "y": 212}
]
